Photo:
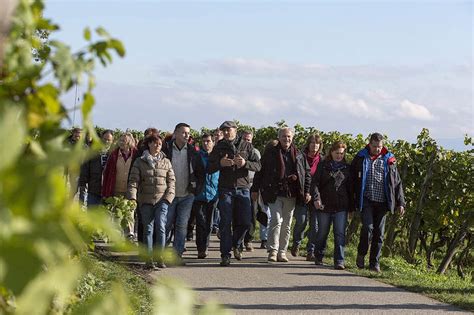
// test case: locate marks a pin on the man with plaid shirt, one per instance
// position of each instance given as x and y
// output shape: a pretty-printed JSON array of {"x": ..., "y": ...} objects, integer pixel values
[{"x": 378, "y": 188}]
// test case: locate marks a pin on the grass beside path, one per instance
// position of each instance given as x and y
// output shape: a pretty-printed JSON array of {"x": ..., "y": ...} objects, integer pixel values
[
  {"x": 448, "y": 288},
  {"x": 98, "y": 281}
]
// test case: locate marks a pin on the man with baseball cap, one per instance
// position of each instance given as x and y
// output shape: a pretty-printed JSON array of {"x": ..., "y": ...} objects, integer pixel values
[{"x": 234, "y": 158}]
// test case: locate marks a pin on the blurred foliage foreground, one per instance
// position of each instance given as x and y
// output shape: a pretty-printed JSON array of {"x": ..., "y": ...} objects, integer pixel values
[
  {"x": 44, "y": 234},
  {"x": 43, "y": 231}
]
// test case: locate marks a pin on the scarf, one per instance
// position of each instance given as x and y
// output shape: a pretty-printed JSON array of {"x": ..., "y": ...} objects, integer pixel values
[
  {"x": 150, "y": 159},
  {"x": 108, "y": 178},
  {"x": 282, "y": 159},
  {"x": 313, "y": 162},
  {"x": 336, "y": 173}
]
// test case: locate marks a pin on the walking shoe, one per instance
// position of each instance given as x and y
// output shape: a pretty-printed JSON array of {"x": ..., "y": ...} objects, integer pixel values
[
  {"x": 248, "y": 247},
  {"x": 295, "y": 250},
  {"x": 202, "y": 255},
  {"x": 189, "y": 235},
  {"x": 161, "y": 265},
  {"x": 360, "y": 261},
  {"x": 281, "y": 257},
  {"x": 225, "y": 261},
  {"x": 310, "y": 257},
  {"x": 375, "y": 269},
  {"x": 339, "y": 266},
  {"x": 272, "y": 256},
  {"x": 318, "y": 261},
  {"x": 263, "y": 244},
  {"x": 150, "y": 266},
  {"x": 237, "y": 253}
]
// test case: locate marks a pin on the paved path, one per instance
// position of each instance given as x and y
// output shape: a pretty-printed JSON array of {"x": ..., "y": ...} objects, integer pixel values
[{"x": 254, "y": 286}]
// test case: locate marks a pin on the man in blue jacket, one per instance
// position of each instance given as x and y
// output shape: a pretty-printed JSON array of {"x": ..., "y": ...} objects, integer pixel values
[
  {"x": 378, "y": 189},
  {"x": 204, "y": 203}
]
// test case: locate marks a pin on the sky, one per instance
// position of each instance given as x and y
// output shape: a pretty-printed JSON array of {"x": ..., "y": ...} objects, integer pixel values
[{"x": 353, "y": 66}]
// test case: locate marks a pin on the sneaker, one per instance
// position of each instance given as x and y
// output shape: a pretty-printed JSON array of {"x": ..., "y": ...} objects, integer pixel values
[
  {"x": 281, "y": 257},
  {"x": 237, "y": 254},
  {"x": 272, "y": 256},
  {"x": 295, "y": 250},
  {"x": 248, "y": 247},
  {"x": 225, "y": 261},
  {"x": 202, "y": 255},
  {"x": 150, "y": 266},
  {"x": 339, "y": 266},
  {"x": 218, "y": 234},
  {"x": 161, "y": 265},
  {"x": 318, "y": 261},
  {"x": 263, "y": 245},
  {"x": 375, "y": 269},
  {"x": 310, "y": 257},
  {"x": 360, "y": 261}
]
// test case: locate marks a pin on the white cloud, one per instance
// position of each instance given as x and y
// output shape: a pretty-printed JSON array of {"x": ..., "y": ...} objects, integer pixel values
[
  {"x": 413, "y": 110},
  {"x": 259, "y": 92}
]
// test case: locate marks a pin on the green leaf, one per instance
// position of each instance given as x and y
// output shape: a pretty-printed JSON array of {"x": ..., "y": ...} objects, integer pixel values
[
  {"x": 118, "y": 46},
  {"x": 54, "y": 285},
  {"x": 19, "y": 264},
  {"x": 87, "y": 34},
  {"x": 12, "y": 131},
  {"x": 102, "y": 32},
  {"x": 115, "y": 302},
  {"x": 87, "y": 104},
  {"x": 173, "y": 297}
]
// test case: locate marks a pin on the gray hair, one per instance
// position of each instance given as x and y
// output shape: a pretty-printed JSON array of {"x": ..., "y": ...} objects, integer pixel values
[{"x": 281, "y": 130}]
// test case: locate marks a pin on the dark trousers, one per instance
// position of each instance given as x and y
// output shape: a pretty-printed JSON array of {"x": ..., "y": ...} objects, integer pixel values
[
  {"x": 303, "y": 214},
  {"x": 191, "y": 223},
  {"x": 249, "y": 235},
  {"x": 235, "y": 211},
  {"x": 373, "y": 215},
  {"x": 203, "y": 211}
]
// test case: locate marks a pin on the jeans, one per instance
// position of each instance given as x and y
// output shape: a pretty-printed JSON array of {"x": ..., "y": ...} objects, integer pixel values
[
  {"x": 373, "y": 215},
  {"x": 154, "y": 222},
  {"x": 264, "y": 229},
  {"x": 216, "y": 218},
  {"x": 280, "y": 224},
  {"x": 93, "y": 200},
  {"x": 235, "y": 211},
  {"x": 303, "y": 214},
  {"x": 178, "y": 215},
  {"x": 339, "y": 221},
  {"x": 203, "y": 211}
]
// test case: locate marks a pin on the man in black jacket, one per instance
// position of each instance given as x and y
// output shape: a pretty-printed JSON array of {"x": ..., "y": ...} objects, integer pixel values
[
  {"x": 234, "y": 158},
  {"x": 90, "y": 177},
  {"x": 284, "y": 179},
  {"x": 189, "y": 173},
  {"x": 378, "y": 189}
]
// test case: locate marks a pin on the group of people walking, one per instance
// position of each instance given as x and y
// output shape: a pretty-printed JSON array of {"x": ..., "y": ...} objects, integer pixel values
[{"x": 173, "y": 180}]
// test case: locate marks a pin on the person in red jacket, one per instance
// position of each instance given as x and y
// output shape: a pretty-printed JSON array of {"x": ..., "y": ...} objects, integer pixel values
[{"x": 115, "y": 178}]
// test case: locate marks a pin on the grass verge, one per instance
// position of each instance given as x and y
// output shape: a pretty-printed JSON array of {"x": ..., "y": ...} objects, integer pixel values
[
  {"x": 101, "y": 275},
  {"x": 448, "y": 288}
]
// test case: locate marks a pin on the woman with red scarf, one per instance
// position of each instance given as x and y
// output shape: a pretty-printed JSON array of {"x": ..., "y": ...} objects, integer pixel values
[
  {"x": 303, "y": 213},
  {"x": 115, "y": 177}
]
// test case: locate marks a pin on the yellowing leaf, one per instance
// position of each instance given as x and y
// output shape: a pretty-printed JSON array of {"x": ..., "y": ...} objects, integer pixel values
[{"x": 12, "y": 133}]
